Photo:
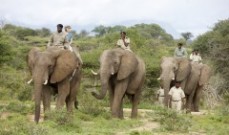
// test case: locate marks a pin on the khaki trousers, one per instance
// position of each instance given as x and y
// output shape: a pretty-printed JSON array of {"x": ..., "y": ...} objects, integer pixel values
[
  {"x": 161, "y": 101},
  {"x": 176, "y": 105}
]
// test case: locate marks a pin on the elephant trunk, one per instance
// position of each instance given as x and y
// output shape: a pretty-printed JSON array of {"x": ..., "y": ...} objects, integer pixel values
[
  {"x": 166, "y": 86},
  {"x": 39, "y": 80},
  {"x": 38, "y": 89},
  {"x": 104, "y": 81}
]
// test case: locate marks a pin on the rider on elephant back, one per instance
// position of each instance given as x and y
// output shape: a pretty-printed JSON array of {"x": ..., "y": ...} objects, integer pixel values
[
  {"x": 57, "y": 38},
  {"x": 124, "y": 42}
]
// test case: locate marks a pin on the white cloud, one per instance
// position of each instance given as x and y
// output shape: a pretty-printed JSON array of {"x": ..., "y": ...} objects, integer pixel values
[{"x": 183, "y": 15}]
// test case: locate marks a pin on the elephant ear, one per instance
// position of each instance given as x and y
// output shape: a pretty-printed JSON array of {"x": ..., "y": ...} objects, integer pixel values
[
  {"x": 184, "y": 68},
  {"x": 127, "y": 66},
  {"x": 65, "y": 65},
  {"x": 205, "y": 74}
]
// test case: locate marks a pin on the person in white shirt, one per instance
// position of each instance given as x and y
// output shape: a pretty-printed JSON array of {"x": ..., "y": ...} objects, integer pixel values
[
  {"x": 195, "y": 57},
  {"x": 177, "y": 97},
  {"x": 161, "y": 96},
  {"x": 124, "y": 41}
]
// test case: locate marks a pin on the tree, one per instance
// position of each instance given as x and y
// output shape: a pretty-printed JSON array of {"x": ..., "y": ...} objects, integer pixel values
[
  {"x": 83, "y": 34},
  {"x": 5, "y": 48},
  {"x": 44, "y": 32},
  {"x": 100, "y": 30},
  {"x": 214, "y": 45},
  {"x": 2, "y": 23},
  {"x": 187, "y": 35}
]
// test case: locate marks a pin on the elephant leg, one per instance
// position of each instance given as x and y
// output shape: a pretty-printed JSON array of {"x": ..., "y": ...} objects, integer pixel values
[
  {"x": 197, "y": 98},
  {"x": 121, "y": 110},
  {"x": 119, "y": 92},
  {"x": 111, "y": 97},
  {"x": 72, "y": 97},
  {"x": 63, "y": 92},
  {"x": 135, "y": 102},
  {"x": 111, "y": 89},
  {"x": 190, "y": 101}
]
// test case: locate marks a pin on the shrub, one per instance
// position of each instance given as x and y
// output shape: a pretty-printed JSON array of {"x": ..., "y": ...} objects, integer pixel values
[
  {"x": 19, "y": 107},
  {"x": 61, "y": 117},
  {"x": 14, "y": 84},
  {"x": 5, "y": 48},
  {"x": 18, "y": 125},
  {"x": 90, "y": 105},
  {"x": 172, "y": 121}
]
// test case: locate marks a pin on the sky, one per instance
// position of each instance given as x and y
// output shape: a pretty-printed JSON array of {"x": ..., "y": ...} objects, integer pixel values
[{"x": 175, "y": 16}]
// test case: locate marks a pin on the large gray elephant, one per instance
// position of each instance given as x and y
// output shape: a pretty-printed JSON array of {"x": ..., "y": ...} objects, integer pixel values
[
  {"x": 198, "y": 77},
  {"x": 54, "y": 71},
  {"x": 193, "y": 77},
  {"x": 122, "y": 73}
]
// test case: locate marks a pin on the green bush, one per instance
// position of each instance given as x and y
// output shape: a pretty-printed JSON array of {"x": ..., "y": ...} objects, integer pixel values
[
  {"x": 18, "y": 125},
  {"x": 172, "y": 121},
  {"x": 14, "y": 84},
  {"x": 61, "y": 116},
  {"x": 5, "y": 48},
  {"x": 19, "y": 107},
  {"x": 90, "y": 105}
]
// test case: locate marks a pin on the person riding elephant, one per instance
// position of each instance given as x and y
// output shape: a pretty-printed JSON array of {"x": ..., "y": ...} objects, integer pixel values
[
  {"x": 191, "y": 76},
  {"x": 57, "y": 38},
  {"x": 54, "y": 70},
  {"x": 122, "y": 73}
]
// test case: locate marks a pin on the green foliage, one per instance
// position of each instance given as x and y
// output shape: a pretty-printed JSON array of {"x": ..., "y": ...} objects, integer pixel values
[
  {"x": 211, "y": 124},
  {"x": 173, "y": 121},
  {"x": 103, "y": 30},
  {"x": 19, "y": 107},
  {"x": 90, "y": 105},
  {"x": 5, "y": 48},
  {"x": 187, "y": 35},
  {"x": 214, "y": 45},
  {"x": 13, "y": 84},
  {"x": 44, "y": 32},
  {"x": 18, "y": 125},
  {"x": 61, "y": 117},
  {"x": 154, "y": 31}
]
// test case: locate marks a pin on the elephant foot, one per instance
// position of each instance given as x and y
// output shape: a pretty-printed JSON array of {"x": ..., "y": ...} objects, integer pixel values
[
  {"x": 196, "y": 110},
  {"x": 114, "y": 115},
  {"x": 133, "y": 116}
]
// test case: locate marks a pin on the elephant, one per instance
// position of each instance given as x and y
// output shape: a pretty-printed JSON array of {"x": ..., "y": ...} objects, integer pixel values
[
  {"x": 198, "y": 78},
  {"x": 121, "y": 73},
  {"x": 54, "y": 70},
  {"x": 192, "y": 76}
]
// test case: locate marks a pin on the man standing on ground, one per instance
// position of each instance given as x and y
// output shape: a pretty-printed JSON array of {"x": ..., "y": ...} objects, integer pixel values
[
  {"x": 180, "y": 51},
  {"x": 177, "y": 97},
  {"x": 57, "y": 38},
  {"x": 161, "y": 96}
]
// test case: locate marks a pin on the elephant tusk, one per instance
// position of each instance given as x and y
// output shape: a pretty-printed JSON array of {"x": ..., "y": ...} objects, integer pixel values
[
  {"x": 112, "y": 73},
  {"x": 29, "y": 81},
  {"x": 159, "y": 78},
  {"x": 173, "y": 78},
  {"x": 46, "y": 81},
  {"x": 93, "y": 72}
]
